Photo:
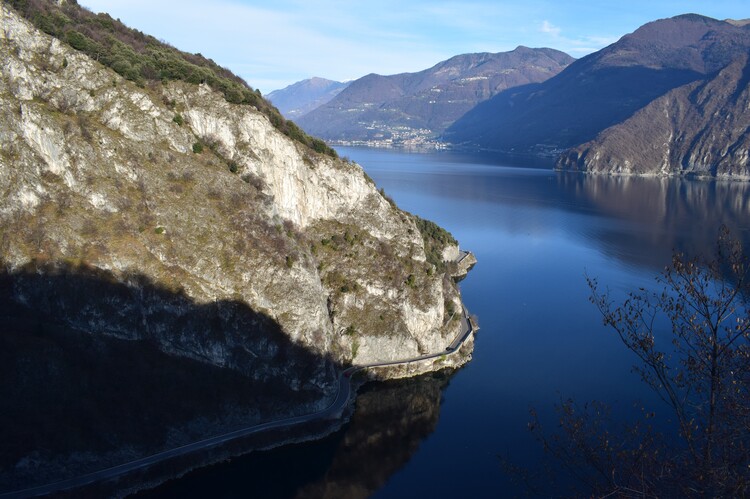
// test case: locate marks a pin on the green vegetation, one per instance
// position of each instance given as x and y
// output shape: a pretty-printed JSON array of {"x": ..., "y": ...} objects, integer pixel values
[
  {"x": 143, "y": 59},
  {"x": 450, "y": 311},
  {"x": 197, "y": 148},
  {"x": 178, "y": 119},
  {"x": 387, "y": 197},
  {"x": 411, "y": 281},
  {"x": 435, "y": 240},
  {"x": 355, "y": 348}
]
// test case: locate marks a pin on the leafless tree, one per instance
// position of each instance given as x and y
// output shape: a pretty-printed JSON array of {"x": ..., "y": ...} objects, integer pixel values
[
  {"x": 700, "y": 364},
  {"x": 692, "y": 341}
]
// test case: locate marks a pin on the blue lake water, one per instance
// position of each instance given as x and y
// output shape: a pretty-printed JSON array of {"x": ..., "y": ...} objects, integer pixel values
[{"x": 536, "y": 234}]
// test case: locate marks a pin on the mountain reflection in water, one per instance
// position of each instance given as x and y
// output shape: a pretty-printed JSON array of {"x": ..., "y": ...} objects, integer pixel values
[
  {"x": 536, "y": 234},
  {"x": 388, "y": 426},
  {"x": 626, "y": 214},
  {"x": 390, "y": 422},
  {"x": 690, "y": 209}
]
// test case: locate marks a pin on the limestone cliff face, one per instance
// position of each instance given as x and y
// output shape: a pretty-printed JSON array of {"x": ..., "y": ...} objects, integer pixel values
[{"x": 173, "y": 185}]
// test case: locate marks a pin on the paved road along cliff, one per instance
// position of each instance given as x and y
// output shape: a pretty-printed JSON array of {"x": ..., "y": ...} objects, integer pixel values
[{"x": 334, "y": 410}]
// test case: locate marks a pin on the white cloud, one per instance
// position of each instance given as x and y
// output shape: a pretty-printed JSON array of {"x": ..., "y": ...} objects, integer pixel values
[
  {"x": 549, "y": 28},
  {"x": 272, "y": 44},
  {"x": 576, "y": 46},
  {"x": 279, "y": 44}
]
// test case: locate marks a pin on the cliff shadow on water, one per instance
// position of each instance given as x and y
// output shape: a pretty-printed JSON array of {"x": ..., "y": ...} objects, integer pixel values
[
  {"x": 391, "y": 421},
  {"x": 96, "y": 372}
]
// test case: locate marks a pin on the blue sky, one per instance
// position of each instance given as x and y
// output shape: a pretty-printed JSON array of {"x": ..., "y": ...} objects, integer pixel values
[{"x": 272, "y": 44}]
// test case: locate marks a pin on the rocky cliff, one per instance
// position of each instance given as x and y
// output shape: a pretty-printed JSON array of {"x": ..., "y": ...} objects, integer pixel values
[
  {"x": 161, "y": 214},
  {"x": 99, "y": 172}
]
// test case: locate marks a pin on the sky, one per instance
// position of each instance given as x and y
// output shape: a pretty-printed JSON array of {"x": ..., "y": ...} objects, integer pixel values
[{"x": 272, "y": 44}]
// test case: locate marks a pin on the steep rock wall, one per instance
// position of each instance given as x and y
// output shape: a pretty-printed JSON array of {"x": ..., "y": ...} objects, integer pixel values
[{"x": 98, "y": 173}]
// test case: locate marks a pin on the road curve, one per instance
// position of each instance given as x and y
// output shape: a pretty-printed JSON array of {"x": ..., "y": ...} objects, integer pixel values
[{"x": 333, "y": 410}]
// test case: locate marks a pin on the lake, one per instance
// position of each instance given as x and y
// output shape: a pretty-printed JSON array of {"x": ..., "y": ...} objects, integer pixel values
[{"x": 536, "y": 234}]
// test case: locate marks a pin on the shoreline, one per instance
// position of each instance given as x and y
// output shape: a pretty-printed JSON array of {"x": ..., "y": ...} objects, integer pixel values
[{"x": 217, "y": 448}]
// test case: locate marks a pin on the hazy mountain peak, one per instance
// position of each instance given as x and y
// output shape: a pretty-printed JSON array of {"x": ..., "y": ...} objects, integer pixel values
[
  {"x": 689, "y": 41},
  {"x": 300, "y": 98}
]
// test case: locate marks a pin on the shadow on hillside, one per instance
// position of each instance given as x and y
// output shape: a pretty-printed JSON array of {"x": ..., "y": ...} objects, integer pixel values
[
  {"x": 566, "y": 110},
  {"x": 96, "y": 372}
]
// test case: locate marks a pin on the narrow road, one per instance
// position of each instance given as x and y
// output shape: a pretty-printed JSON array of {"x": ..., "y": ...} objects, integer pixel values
[
  {"x": 462, "y": 254},
  {"x": 334, "y": 409},
  {"x": 463, "y": 333}
]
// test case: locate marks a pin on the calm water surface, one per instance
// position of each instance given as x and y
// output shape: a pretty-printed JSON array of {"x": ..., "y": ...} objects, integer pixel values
[{"x": 536, "y": 234}]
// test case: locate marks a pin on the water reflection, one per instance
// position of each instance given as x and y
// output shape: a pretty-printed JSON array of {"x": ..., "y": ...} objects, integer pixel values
[
  {"x": 669, "y": 213},
  {"x": 390, "y": 422},
  {"x": 535, "y": 233},
  {"x": 638, "y": 220},
  {"x": 388, "y": 427}
]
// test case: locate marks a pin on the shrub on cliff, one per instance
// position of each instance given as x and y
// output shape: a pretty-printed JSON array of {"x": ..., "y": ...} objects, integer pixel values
[
  {"x": 142, "y": 58},
  {"x": 435, "y": 239}
]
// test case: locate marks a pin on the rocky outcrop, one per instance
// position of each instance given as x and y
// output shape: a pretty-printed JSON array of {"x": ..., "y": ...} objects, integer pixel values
[
  {"x": 699, "y": 129},
  {"x": 464, "y": 264},
  {"x": 173, "y": 185},
  {"x": 165, "y": 220},
  {"x": 149, "y": 229}
]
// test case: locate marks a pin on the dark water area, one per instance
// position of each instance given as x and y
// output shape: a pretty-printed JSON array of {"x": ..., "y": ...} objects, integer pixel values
[
  {"x": 390, "y": 423},
  {"x": 536, "y": 234}
]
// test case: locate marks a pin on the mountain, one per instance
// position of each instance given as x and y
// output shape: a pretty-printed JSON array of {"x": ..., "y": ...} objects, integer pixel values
[
  {"x": 300, "y": 98},
  {"x": 604, "y": 88},
  {"x": 700, "y": 128},
  {"x": 175, "y": 259},
  {"x": 417, "y": 107}
]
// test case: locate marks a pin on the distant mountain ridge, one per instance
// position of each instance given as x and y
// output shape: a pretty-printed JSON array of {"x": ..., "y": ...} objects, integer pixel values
[
  {"x": 608, "y": 88},
  {"x": 419, "y": 106},
  {"x": 700, "y": 128},
  {"x": 300, "y": 98}
]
